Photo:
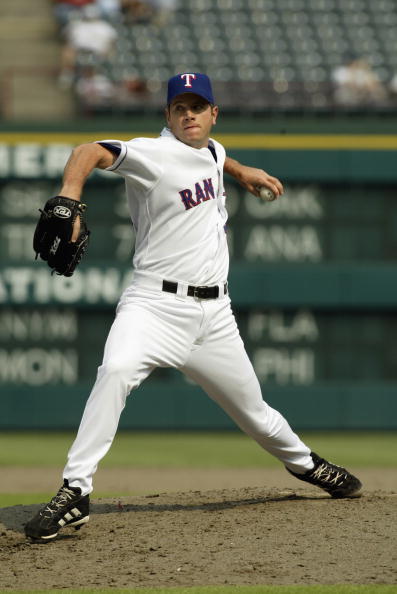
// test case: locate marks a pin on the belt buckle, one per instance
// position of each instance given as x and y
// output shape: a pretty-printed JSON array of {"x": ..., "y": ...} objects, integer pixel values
[{"x": 201, "y": 292}]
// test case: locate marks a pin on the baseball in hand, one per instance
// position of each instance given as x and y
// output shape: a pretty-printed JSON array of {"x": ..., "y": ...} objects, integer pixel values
[{"x": 266, "y": 194}]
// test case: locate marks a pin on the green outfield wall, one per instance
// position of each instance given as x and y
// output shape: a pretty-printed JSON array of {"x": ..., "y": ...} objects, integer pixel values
[{"x": 313, "y": 281}]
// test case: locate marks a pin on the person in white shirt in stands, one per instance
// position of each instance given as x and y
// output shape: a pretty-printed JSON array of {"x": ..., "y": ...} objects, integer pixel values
[{"x": 90, "y": 35}]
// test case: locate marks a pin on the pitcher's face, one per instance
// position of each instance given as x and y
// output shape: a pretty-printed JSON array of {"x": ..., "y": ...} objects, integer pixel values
[{"x": 190, "y": 118}]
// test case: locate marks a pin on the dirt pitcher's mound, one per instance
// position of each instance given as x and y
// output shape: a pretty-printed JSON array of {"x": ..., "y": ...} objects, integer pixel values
[{"x": 230, "y": 536}]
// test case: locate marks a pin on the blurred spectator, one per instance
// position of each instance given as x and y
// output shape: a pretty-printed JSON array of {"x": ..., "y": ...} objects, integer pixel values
[
  {"x": 393, "y": 87},
  {"x": 94, "y": 89},
  {"x": 162, "y": 10},
  {"x": 91, "y": 36},
  {"x": 137, "y": 11},
  {"x": 357, "y": 85},
  {"x": 132, "y": 90},
  {"x": 109, "y": 9},
  {"x": 65, "y": 10},
  {"x": 96, "y": 92}
]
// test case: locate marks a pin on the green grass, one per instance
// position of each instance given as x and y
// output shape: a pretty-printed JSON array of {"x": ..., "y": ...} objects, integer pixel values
[
  {"x": 11, "y": 499},
  {"x": 198, "y": 450},
  {"x": 332, "y": 589}
]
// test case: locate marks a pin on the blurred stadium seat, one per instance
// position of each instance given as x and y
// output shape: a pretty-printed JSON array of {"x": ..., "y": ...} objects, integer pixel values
[{"x": 261, "y": 54}]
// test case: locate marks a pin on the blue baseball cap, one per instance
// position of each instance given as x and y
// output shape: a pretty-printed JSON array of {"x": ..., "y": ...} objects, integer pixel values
[{"x": 190, "y": 82}]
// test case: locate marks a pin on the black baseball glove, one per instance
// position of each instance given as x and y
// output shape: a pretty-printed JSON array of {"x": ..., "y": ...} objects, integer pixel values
[{"x": 54, "y": 231}]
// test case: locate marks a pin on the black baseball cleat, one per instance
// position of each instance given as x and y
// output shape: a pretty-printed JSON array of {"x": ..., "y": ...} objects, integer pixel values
[
  {"x": 337, "y": 481},
  {"x": 67, "y": 508}
]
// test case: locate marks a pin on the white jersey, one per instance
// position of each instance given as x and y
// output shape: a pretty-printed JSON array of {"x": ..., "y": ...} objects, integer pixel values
[
  {"x": 177, "y": 204},
  {"x": 176, "y": 200}
]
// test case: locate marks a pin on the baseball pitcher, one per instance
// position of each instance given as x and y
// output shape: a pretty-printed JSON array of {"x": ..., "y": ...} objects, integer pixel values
[{"x": 177, "y": 311}]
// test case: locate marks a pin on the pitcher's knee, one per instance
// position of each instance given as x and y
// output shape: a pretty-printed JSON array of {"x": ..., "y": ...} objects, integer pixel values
[
  {"x": 260, "y": 421},
  {"x": 120, "y": 370}
]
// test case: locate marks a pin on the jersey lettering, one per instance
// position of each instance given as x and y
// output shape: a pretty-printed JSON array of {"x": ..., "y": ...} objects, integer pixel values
[
  {"x": 187, "y": 199},
  {"x": 202, "y": 193},
  {"x": 199, "y": 193},
  {"x": 208, "y": 189}
]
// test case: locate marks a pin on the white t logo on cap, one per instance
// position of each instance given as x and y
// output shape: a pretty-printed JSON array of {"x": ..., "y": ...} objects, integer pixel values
[{"x": 187, "y": 77}]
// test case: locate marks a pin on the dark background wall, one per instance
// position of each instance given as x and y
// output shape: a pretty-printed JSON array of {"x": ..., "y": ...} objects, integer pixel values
[{"x": 313, "y": 278}]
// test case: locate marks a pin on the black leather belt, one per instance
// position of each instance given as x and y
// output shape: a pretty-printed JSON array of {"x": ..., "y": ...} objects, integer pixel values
[{"x": 198, "y": 292}]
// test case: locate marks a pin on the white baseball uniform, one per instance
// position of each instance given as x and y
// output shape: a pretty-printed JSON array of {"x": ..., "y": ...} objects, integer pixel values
[{"x": 177, "y": 203}]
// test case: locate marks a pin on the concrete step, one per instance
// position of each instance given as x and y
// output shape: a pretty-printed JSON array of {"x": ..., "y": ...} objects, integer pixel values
[
  {"x": 30, "y": 49},
  {"x": 31, "y": 54},
  {"x": 25, "y": 8},
  {"x": 32, "y": 28},
  {"x": 43, "y": 100}
]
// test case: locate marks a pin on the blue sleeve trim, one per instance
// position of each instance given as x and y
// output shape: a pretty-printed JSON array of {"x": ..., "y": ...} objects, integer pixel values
[{"x": 111, "y": 147}]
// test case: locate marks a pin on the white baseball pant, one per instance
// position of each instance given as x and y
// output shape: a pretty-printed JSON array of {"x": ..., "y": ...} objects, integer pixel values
[{"x": 153, "y": 329}]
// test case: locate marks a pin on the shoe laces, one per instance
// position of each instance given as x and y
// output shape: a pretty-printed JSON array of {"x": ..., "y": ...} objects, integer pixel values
[
  {"x": 329, "y": 474},
  {"x": 63, "y": 496}
]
